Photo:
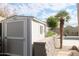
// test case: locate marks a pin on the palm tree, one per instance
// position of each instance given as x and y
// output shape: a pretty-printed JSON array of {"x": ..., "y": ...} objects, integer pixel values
[{"x": 62, "y": 16}]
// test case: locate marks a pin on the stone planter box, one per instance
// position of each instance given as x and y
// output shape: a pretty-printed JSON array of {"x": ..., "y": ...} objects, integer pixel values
[
  {"x": 57, "y": 43},
  {"x": 44, "y": 47}
]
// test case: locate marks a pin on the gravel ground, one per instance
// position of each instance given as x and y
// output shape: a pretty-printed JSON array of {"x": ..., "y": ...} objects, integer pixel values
[
  {"x": 67, "y": 45},
  {"x": 65, "y": 51}
]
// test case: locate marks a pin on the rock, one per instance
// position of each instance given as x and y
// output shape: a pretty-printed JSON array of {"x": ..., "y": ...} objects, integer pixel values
[{"x": 74, "y": 48}]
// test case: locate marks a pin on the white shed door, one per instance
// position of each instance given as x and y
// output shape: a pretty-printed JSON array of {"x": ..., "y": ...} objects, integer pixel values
[{"x": 14, "y": 36}]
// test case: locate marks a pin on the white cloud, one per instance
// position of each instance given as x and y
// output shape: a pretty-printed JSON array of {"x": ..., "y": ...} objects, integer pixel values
[{"x": 35, "y": 8}]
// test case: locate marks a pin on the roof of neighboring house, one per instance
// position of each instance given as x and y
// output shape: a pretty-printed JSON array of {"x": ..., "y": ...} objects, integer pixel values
[{"x": 34, "y": 18}]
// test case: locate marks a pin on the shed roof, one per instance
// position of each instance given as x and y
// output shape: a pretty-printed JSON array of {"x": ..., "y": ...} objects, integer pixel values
[{"x": 34, "y": 18}]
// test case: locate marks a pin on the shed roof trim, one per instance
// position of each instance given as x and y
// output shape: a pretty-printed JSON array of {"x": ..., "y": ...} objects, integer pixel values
[{"x": 34, "y": 18}]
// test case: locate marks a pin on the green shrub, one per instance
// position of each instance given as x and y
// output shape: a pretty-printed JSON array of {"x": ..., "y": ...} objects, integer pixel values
[
  {"x": 52, "y": 22},
  {"x": 50, "y": 33}
]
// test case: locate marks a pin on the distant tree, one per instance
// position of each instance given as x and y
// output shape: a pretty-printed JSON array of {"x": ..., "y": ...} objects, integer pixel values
[
  {"x": 5, "y": 12},
  {"x": 52, "y": 22},
  {"x": 68, "y": 30}
]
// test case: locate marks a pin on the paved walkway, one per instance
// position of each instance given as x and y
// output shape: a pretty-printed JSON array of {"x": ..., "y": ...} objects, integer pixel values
[{"x": 71, "y": 42}]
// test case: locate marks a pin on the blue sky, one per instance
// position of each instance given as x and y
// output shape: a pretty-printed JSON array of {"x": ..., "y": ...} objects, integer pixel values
[{"x": 42, "y": 10}]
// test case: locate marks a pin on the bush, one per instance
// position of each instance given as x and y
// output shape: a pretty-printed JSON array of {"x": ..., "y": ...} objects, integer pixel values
[
  {"x": 50, "y": 33},
  {"x": 52, "y": 22}
]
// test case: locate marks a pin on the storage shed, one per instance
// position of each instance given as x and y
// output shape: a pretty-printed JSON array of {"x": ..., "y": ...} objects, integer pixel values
[{"x": 20, "y": 32}]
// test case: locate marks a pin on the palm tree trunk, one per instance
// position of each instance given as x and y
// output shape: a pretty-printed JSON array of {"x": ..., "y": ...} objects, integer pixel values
[{"x": 61, "y": 32}]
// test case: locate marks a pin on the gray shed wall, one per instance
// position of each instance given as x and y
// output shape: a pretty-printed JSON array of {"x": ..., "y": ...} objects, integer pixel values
[{"x": 16, "y": 29}]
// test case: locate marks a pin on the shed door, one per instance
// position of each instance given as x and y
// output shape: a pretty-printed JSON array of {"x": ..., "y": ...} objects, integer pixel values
[{"x": 14, "y": 36}]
